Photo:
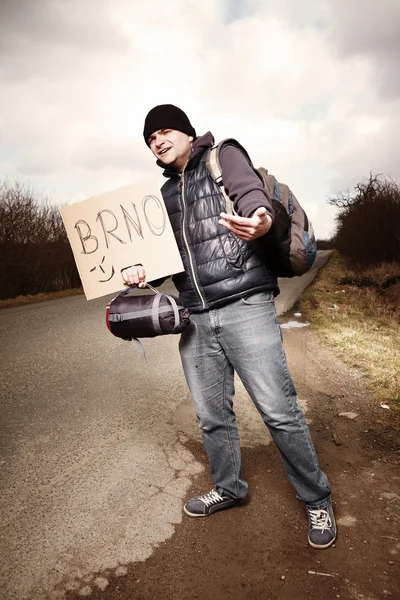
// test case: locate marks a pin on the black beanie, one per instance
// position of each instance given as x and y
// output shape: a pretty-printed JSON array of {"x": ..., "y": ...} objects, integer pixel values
[{"x": 166, "y": 116}]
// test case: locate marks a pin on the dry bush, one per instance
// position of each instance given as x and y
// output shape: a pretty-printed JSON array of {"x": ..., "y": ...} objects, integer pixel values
[
  {"x": 36, "y": 255},
  {"x": 368, "y": 230},
  {"x": 325, "y": 244}
]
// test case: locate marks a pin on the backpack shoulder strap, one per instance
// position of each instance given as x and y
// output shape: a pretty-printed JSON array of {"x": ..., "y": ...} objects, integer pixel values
[
  {"x": 214, "y": 167},
  {"x": 213, "y": 162}
]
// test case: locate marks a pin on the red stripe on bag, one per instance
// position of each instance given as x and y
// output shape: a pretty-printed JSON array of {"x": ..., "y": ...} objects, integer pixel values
[{"x": 107, "y": 313}]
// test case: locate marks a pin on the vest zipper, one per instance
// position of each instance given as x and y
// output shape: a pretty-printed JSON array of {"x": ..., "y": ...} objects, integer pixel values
[{"x": 185, "y": 238}]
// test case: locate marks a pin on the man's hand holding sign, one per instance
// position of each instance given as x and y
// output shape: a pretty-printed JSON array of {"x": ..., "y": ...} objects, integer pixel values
[{"x": 135, "y": 275}]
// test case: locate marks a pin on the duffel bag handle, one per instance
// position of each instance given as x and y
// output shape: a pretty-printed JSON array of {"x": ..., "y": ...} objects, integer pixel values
[{"x": 126, "y": 290}]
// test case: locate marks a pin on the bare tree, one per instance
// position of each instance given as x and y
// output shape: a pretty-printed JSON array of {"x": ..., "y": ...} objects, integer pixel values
[
  {"x": 368, "y": 221},
  {"x": 36, "y": 256}
]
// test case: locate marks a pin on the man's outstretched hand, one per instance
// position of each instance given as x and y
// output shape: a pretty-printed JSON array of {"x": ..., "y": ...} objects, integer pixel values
[{"x": 247, "y": 228}]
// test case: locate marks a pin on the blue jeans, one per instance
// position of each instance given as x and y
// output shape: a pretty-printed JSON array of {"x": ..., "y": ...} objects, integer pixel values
[{"x": 244, "y": 336}]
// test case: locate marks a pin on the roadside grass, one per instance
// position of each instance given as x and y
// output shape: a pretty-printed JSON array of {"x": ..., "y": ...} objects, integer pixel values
[
  {"x": 29, "y": 299},
  {"x": 361, "y": 324}
]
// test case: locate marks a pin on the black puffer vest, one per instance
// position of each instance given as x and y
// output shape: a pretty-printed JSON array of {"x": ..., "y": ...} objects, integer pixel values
[{"x": 219, "y": 267}]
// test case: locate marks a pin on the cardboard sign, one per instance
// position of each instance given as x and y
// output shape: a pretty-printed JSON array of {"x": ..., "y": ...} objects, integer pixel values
[{"x": 118, "y": 229}]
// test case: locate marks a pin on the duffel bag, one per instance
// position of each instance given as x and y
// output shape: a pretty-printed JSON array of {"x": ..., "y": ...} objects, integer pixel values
[{"x": 130, "y": 316}]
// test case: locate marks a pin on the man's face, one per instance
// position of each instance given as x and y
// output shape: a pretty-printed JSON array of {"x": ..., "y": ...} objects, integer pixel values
[{"x": 172, "y": 147}]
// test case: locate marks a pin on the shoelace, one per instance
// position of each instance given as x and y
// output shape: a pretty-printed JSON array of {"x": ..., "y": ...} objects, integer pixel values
[
  {"x": 211, "y": 498},
  {"x": 320, "y": 519}
]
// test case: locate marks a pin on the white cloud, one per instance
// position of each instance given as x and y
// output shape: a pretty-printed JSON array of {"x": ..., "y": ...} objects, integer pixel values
[{"x": 311, "y": 89}]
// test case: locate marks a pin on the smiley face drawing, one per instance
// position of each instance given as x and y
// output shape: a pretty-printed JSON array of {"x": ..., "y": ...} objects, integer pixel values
[{"x": 112, "y": 271}]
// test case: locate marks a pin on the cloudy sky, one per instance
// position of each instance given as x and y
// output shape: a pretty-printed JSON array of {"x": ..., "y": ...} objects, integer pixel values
[{"x": 310, "y": 87}]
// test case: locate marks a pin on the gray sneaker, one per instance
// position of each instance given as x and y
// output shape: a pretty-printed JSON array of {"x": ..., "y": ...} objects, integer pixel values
[
  {"x": 205, "y": 505},
  {"x": 322, "y": 526}
]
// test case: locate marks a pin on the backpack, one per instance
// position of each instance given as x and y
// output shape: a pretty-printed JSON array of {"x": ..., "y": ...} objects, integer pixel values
[
  {"x": 146, "y": 315},
  {"x": 289, "y": 248}
]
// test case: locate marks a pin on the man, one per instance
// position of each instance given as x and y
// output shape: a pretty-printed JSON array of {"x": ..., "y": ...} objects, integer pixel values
[{"x": 233, "y": 326}]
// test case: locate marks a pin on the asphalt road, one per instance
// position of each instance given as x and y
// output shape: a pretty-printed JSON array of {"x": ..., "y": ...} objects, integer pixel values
[{"x": 93, "y": 466}]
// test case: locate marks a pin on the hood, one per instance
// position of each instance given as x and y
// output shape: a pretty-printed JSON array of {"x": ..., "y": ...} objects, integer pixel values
[{"x": 200, "y": 145}]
